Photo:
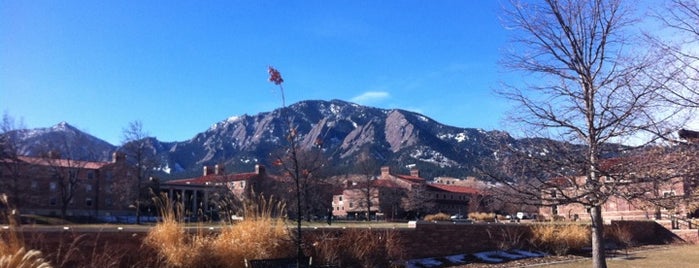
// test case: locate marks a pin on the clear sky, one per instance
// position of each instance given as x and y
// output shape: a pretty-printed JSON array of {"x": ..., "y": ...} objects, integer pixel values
[{"x": 181, "y": 66}]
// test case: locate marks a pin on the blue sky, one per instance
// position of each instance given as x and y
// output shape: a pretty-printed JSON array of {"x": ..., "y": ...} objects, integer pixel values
[{"x": 181, "y": 66}]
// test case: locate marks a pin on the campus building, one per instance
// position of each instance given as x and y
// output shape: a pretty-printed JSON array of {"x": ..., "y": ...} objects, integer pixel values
[
  {"x": 53, "y": 186},
  {"x": 394, "y": 196}
]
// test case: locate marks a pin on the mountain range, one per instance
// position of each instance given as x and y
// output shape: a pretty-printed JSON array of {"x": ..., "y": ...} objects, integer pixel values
[{"x": 394, "y": 137}]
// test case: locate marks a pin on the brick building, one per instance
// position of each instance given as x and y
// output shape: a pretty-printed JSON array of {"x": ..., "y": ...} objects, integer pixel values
[
  {"x": 660, "y": 200},
  {"x": 205, "y": 194},
  {"x": 54, "y": 186},
  {"x": 392, "y": 196}
]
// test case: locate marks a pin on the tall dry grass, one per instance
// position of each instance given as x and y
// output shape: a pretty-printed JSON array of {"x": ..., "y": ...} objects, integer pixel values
[
  {"x": 13, "y": 252},
  {"x": 438, "y": 217},
  {"x": 261, "y": 235},
  {"x": 508, "y": 237},
  {"x": 620, "y": 234},
  {"x": 174, "y": 245},
  {"x": 559, "y": 239},
  {"x": 356, "y": 248},
  {"x": 482, "y": 216}
]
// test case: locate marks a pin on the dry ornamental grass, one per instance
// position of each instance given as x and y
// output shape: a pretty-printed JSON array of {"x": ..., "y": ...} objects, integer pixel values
[
  {"x": 261, "y": 235},
  {"x": 13, "y": 253}
]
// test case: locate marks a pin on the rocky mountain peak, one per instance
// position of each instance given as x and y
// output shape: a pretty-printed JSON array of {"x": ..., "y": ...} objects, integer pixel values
[{"x": 341, "y": 129}]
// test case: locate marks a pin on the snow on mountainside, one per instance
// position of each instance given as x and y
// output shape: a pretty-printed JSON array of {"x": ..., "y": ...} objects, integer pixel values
[
  {"x": 394, "y": 137},
  {"x": 64, "y": 138}
]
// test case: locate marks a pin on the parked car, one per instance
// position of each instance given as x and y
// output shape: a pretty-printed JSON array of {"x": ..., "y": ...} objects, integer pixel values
[{"x": 459, "y": 218}]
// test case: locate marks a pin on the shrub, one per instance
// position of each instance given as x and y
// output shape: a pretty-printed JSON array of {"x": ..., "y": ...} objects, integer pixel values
[
  {"x": 258, "y": 236},
  {"x": 508, "y": 237},
  {"x": 438, "y": 217},
  {"x": 23, "y": 258},
  {"x": 170, "y": 240},
  {"x": 482, "y": 216},
  {"x": 560, "y": 238},
  {"x": 356, "y": 248},
  {"x": 619, "y": 234},
  {"x": 559, "y": 218},
  {"x": 12, "y": 247}
]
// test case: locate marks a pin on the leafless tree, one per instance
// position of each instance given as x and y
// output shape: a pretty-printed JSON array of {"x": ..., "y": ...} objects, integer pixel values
[
  {"x": 289, "y": 162},
  {"x": 367, "y": 167},
  {"x": 67, "y": 174},
  {"x": 10, "y": 174},
  {"x": 591, "y": 86},
  {"x": 418, "y": 202},
  {"x": 139, "y": 151},
  {"x": 678, "y": 40}
]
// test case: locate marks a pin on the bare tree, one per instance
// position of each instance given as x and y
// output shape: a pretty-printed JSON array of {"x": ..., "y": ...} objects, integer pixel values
[
  {"x": 289, "y": 162},
  {"x": 591, "y": 88},
  {"x": 139, "y": 151},
  {"x": 418, "y": 201},
  {"x": 367, "y": 167},
  {"x": 66, "y": 172},
  {"x": 10, "y": 175},
  {"x": 678, "y": 40}
]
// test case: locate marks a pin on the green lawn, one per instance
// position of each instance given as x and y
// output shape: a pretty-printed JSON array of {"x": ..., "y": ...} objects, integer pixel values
[{"x": 670, "y": 256}]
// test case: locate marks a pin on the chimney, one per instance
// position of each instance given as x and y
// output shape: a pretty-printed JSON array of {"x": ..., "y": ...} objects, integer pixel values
[
  {"x": 385, "y": 171},
  {"x": 414, "y": 172},
  {"x": 208, "y": 170},
  {"x": 259, "y": 169},
  {"x": 53, "y": 154},
  {"x": 118, "y": 157},
  {"x": 219, "y": 169}
]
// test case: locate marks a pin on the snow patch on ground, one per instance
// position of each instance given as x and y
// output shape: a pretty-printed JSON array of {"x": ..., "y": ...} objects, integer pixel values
[{"x": 498, "y": 256}]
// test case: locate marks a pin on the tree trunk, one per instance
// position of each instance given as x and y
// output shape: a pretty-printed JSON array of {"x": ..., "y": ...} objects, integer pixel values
[{"x": 598, "y": 254}]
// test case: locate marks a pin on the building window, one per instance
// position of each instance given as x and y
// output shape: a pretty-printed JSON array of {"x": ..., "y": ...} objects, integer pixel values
[
  {"x": 339, "y": 198},
  {"x": 110, "y": 175},
  {"x": 52, "y": 201},
  {"x": 34, "y": 185},
  {"x": 667, "y": 194},
  {"x": 88, "y": 202},
  {"x": 88, "y": 188},
  {"x": 52, "y": 186},
  {"x": 108, "y": 202},
  {"x": 350, "y": 205},
  {"x": 90, "y": 175},
  {"x": 554, "y": 210}
]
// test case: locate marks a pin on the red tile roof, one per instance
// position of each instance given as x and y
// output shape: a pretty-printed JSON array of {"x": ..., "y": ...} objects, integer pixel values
[
  {"x": 213, "y": 178},
  {"x": 62, "y": 162},
  {"x": 454, "y": 188},
  {"x": 412, "y": 179},
  {"x": 385, "y": 183}
]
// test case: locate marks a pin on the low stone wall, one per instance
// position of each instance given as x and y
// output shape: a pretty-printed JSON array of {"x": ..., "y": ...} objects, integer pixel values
[
  {"x": 690, "y": 235},
  {"x": 431, "y": 239}
]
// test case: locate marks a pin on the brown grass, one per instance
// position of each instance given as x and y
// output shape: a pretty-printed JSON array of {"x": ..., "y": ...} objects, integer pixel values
[
  {"x": 619, "y": 234},
  {"x": 355, "y": 248},
  {"x": 171, "y": 241},
  {"x": 559, "y": 239},
  {"x": 261, "y": 235},
  {"x": 438, "y": 217},
  {"x": 508, "y": 238},
  {"x": 482, "y": 216},
  {"x": 13, "y": 253}
]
